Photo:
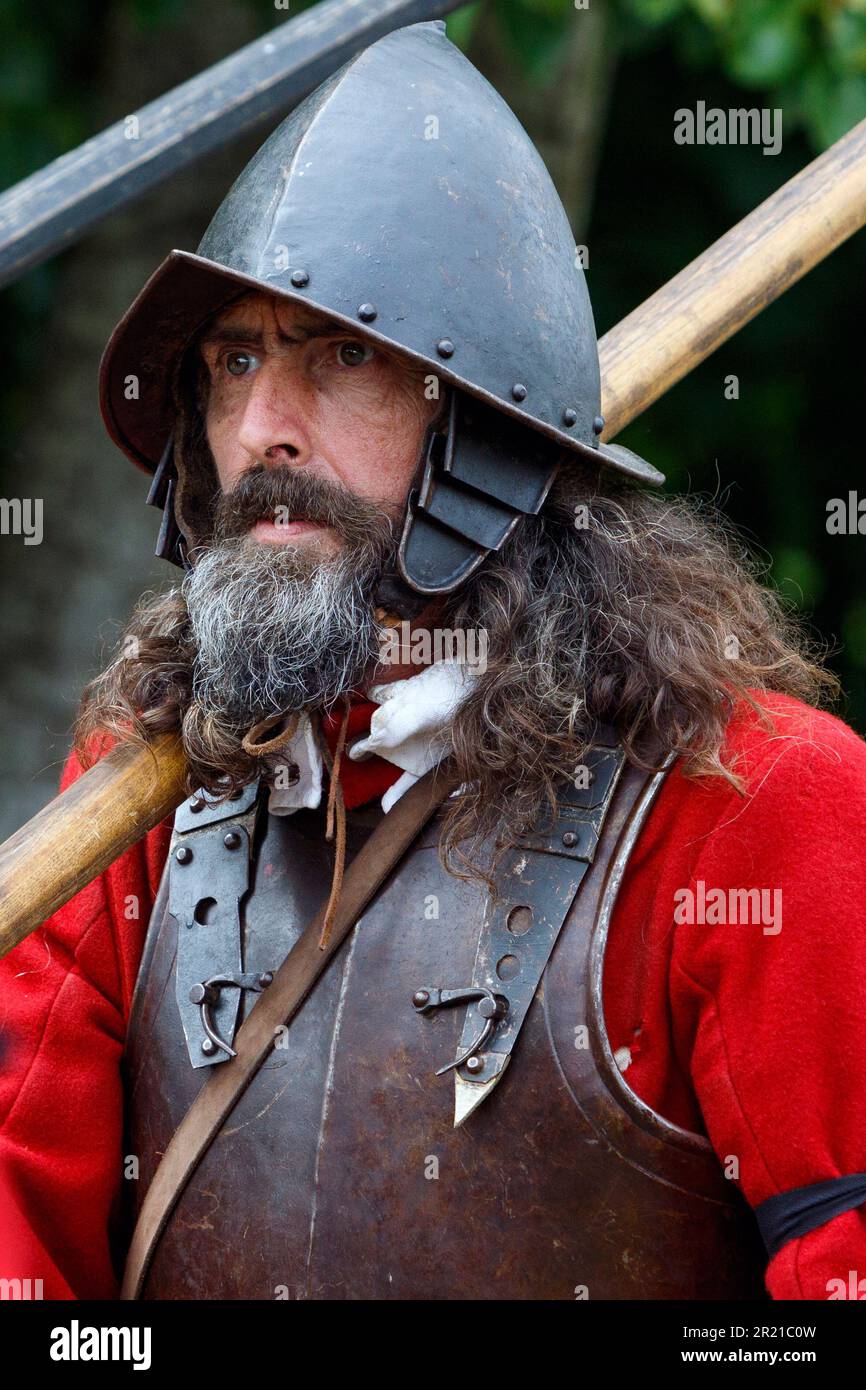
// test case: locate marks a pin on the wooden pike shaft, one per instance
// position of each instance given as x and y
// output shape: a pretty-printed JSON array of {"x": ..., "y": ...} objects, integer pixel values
[
  {"x": 113, "y": 805},
  {"x": 85, "y": 829},
  {"x": 660, "y": 342}
]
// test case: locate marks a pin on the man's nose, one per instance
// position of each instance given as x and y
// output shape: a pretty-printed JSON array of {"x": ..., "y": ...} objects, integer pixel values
[{"x": 274, "y": 426}]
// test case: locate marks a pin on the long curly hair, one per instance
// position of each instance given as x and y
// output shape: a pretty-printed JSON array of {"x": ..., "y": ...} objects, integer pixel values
[{"x": 614, "y": 606}]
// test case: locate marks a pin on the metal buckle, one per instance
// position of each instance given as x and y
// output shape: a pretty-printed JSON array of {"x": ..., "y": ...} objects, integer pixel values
[
  {"x": 491, "y": 1007},
  {"x": 207, "y": 994}
]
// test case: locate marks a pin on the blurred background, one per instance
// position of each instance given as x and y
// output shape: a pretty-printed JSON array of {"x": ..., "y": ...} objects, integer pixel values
[{"x": 596, "y": 84}]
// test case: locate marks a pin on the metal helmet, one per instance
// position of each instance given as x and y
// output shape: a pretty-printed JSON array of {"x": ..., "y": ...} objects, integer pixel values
[{"x": 403, "y": 199}]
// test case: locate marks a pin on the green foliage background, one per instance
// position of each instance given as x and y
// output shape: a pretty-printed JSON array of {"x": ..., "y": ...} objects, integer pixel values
[{"x": 793, "y": 440}]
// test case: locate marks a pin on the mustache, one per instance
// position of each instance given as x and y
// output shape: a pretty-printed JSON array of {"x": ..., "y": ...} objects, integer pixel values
[{"x": 287, "y": 494}]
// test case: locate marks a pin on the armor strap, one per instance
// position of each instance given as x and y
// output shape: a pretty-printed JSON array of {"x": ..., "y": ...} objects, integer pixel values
[
  {"x": 274, "y": 1009},
  {"x": 208, "y": 875},
  {"x": 536, "y": 885}
]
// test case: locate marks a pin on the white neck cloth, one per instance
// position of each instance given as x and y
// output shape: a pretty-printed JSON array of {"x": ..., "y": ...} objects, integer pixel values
[{"x": 411, "y": 729}]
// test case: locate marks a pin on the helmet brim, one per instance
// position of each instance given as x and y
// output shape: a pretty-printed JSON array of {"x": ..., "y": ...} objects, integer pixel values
[{"x": 144, "y": 350}]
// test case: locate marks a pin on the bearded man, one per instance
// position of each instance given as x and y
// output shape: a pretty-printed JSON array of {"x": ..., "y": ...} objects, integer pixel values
[{"x": 607, "y": 1002}]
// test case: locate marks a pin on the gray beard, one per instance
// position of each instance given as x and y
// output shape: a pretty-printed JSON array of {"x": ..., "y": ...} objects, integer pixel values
[{"x": 279, "y": 629}]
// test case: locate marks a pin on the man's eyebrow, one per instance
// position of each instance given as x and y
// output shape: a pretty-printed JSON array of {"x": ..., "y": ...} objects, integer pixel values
[{"x": 252, "y": 337}]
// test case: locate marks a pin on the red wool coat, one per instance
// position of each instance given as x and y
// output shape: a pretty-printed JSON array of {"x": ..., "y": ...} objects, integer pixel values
[{"x": 757, "y": 1035}]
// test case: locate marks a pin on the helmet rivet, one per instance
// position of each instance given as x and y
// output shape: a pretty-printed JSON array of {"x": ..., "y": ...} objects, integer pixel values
[
  {"x": 569, "y": 416},
  {"x": 300, "y": 278},
  {"x": 598, "y": 424},
  {"x": 518, "y": 391},
  {"x": 367, "y": 313},
  {"x": 445, "y": 347},
  {"x": 183, "y": 855}
]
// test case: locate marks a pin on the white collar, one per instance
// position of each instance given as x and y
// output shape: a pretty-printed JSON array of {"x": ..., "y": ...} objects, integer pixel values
[{"x": 411, "y": 729}]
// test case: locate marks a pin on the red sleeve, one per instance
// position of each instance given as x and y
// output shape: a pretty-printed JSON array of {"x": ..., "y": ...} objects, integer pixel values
[
  {"x": 775, "y": 1010},
  {"x": 65, "y": 993}
]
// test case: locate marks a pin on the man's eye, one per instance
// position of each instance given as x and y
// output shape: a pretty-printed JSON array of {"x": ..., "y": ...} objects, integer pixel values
[
  {"x": 354, "y": 354},
  {"x": 239, "y": 363}
]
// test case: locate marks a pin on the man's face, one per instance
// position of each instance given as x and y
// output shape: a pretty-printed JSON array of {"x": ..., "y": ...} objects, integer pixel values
[
  {"x": 291, "y": 389},
  {"x": 315, "y": 436}
]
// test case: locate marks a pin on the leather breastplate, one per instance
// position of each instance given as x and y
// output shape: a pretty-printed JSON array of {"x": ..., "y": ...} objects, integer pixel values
[{"x": 339, "y": 1174}]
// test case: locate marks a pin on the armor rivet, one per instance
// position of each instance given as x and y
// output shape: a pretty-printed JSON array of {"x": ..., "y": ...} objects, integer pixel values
[
  {"x": 183, "y": 855},
  {"x": 598, "y": 424},
  {"x": 420, "y": 998},
  {"x": 569, "y": 838},
  {"x": 474, "y": 1064},
  {"x": 208, "y": 1047},
  {"x": 300, "y": 278},
  {"x": 197, "y": 803},
  {"x": 367, "y": 313},
  {"x": 232, "y": 840},
  {"x": 266, "y": 979},
  {"x": 445, "y": 347},
  {"x": 518, "y": 391},
  {"x": 569, "y": 416}
]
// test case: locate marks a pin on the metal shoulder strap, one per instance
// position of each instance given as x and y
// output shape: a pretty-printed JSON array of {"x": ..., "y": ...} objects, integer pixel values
[
  {"x": 537, "y": 883},
  {"x": 208, "y": 875}
]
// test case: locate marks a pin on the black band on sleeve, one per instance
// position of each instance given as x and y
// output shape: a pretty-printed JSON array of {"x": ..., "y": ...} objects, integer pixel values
[{"x": 801, "y": 1210}]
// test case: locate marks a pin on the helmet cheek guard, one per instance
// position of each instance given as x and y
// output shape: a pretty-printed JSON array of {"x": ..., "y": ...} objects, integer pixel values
[
  {"x": 477, "y": 482},
  {"x": 403, "y": 200},
  {"x": 171, "y": 543}
]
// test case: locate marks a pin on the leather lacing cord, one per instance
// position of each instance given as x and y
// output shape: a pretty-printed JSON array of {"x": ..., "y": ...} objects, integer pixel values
[
  {"x": 336, "y": 804},
  {"x": 258, "y": 745},
  {"x": 335, "y": 818}
]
